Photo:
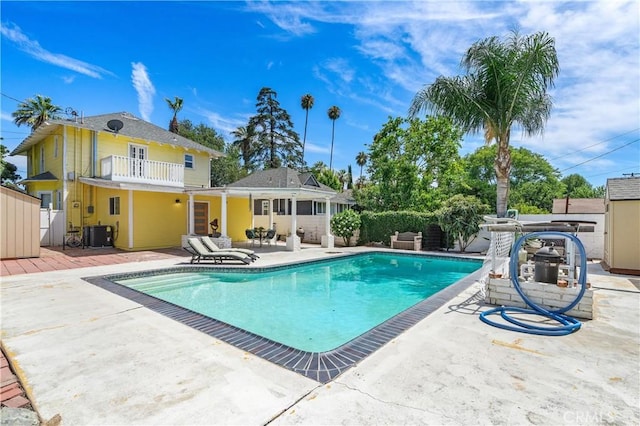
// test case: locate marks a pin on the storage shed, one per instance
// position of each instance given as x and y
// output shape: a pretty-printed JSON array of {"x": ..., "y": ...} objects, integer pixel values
[
  {"x": 622, "y": 225},
  {"x": 19, "y": 224}
]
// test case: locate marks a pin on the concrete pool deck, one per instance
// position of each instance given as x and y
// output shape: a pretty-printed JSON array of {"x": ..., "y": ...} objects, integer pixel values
[{"x": 96, "y": 358}]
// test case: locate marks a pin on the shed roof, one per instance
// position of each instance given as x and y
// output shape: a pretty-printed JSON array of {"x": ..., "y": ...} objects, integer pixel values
[
  {"x": 627, "y": 188},
  {"x": 578, "y": 206},
  {"x": 132, "y": 126}
]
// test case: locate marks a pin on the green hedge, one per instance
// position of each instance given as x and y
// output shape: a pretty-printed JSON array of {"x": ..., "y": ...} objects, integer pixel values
[{"x": 378, "y": 227}]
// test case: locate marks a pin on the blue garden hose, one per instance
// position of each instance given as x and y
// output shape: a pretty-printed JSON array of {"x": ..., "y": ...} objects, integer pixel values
[{"x": 567, "y": 324}]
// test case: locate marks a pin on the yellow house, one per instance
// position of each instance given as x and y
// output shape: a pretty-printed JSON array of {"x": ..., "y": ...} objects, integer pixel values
[
  {"x": 622, "y": 225},
  {"x": 125, "y": 182}
]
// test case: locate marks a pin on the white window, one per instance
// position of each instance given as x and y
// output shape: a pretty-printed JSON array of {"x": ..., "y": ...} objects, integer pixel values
[
  {"x": 59, "y": 200},
  {"x": 46, "y": 198},
  {"x": 114, "y": 206},
  {"x": 321, "y": 207},
  {"x": 188, "y": 161},
  {"x": 265, "y": 207}
]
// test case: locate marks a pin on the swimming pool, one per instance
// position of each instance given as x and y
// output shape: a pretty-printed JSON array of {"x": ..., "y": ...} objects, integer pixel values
[{"x": 318, "y": 318}]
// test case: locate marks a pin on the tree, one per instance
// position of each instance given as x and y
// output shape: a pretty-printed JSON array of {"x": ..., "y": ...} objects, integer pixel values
[
  {"x": 460, "y": 218},
  {"x": 35, "y": 111},
  {"x": 409, "y": 161},
  {"x": 278, "y": 144},
  {"x": 349, "y": 177},
  {"x": 330, "y": 178},
  {"x": 307, "y": 103},
  {"x": 344, "y": 224},
  {"x": 578, "y": 187},
  {"x": 225, "y": 169},
  {"x": 8, "y": 170},
  {"x": 506, "y": 84},
  {"x": 333, "y": 113},
  {"x": 202, "y": 134},
  {"x": 361, "y": 160},
  {"x": 174, "y": 106},
  {"x": 245, "y": 140},
  {"x": 534, "y": 182}
]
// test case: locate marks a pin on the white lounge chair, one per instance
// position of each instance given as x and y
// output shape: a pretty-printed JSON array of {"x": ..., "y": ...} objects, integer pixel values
[
  {"x": 208, "y": 243},
  {"x": 200, "y": 252}
]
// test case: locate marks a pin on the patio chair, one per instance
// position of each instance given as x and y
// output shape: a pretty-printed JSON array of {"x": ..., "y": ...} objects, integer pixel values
[
  {"x": 271, "y": 233},
  {"x": 251, "y": 236},
  {"x": 200, "y": 252},
  {"x": 208, "y": 243},
  {"x": 407, "y": 240}
]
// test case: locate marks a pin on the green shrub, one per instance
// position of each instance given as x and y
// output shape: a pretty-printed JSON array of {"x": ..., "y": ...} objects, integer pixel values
[
  {"x": 344, "y": 224},
  {"x": 378, "y": 227}
]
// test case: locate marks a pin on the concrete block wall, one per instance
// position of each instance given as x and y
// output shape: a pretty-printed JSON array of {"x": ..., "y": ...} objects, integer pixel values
[{"x": 501, "y": 292}]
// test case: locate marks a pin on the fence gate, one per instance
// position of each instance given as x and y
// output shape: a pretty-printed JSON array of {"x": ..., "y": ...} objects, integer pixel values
[{"x": 52, "y": 229}]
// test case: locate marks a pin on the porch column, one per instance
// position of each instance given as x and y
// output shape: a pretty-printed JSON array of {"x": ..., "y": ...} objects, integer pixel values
[
  {"x": 223, "y": 215},
  {"x": 327, "y": 240},
  {"x": 130, "y": 213},
  {"x": 270, "y": 214},
  {"x": 293, "y": 241},
  {"x": 192, "y": 226}
]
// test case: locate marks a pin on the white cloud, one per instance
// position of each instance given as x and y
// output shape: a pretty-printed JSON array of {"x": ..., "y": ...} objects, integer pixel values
[
  {"x": 223, "y": 125},
  {"x": 13, "y": 33},
  {"x": 290, "y": 17},
  {"x": 69, "y": 79},
  {"x": 316, "y": 149},
  {"x": 144, "y": 87},
  {"x": 6, "y": 116}
]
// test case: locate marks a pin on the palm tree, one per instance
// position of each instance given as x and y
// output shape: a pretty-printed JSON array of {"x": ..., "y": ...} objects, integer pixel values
[
  {"x": 361, "y": 160},
  {"x": 174, "y": 106},
  {"x": 244, "y": 140},
  {"x": 35, "y": 111},
  {"x": 307, "y": 103},
  {"x": 506, "y": 83},
  {"x": 334, "y": 114}
]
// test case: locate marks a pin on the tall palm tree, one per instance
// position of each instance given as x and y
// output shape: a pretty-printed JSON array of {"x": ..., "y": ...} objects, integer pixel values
[
  {"x": 506, "y": 83},
  {"x": 35, "y": 111},
  {"x": 333, "y": 113},
  {"x": 244, "y": 139},
  {"x": 174, "y": 106},
  {"x": 361, "y": 160},
  {"x": 307, "y": 103}
]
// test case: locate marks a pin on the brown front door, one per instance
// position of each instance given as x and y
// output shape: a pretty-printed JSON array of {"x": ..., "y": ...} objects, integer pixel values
[{"x": 201, "y": 218}]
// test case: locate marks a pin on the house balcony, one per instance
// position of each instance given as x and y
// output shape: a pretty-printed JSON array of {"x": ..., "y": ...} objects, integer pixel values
[{"x": 126, "y": 169}]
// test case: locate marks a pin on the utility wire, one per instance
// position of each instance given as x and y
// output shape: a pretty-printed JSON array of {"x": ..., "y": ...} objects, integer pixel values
[
  {"x": 10, "y": 97},
  {"x": 595, "y": 144},
  {"x": 612, "y": 171},
  {"x": 599, "y": 156}
]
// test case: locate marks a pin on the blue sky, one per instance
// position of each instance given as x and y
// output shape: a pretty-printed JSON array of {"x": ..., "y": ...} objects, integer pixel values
[{"x": 368, "y": 58}]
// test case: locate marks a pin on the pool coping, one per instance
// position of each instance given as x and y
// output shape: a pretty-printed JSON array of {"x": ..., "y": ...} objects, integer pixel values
[{"x": 319, "y": 366}]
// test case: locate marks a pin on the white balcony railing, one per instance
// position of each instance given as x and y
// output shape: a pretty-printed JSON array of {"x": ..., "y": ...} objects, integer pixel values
[{"x": 125, "y": 169}]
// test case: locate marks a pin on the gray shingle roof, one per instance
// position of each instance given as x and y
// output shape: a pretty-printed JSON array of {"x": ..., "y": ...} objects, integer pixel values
[
  {"x": 282, "y": 177},
  {"x": 132, "y": 126},
  {"x": 46, "y": 176},
  {"x": 623, "y": 188}
]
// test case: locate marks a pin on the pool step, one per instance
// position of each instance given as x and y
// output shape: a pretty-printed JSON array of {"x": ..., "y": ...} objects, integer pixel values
[{"x": 164, "y": 283}]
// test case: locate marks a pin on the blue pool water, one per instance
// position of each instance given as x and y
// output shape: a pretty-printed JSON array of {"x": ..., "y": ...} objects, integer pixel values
[{"x": 313, "y": 307}]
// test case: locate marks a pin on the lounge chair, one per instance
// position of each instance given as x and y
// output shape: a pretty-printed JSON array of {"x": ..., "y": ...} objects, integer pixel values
[
  {"x": 200, "y": 252},
  {"x": 208, "y": 243}
]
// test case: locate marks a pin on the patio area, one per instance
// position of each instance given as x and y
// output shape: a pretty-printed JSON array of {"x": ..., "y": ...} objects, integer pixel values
[{"x": 95, "y": 358}]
